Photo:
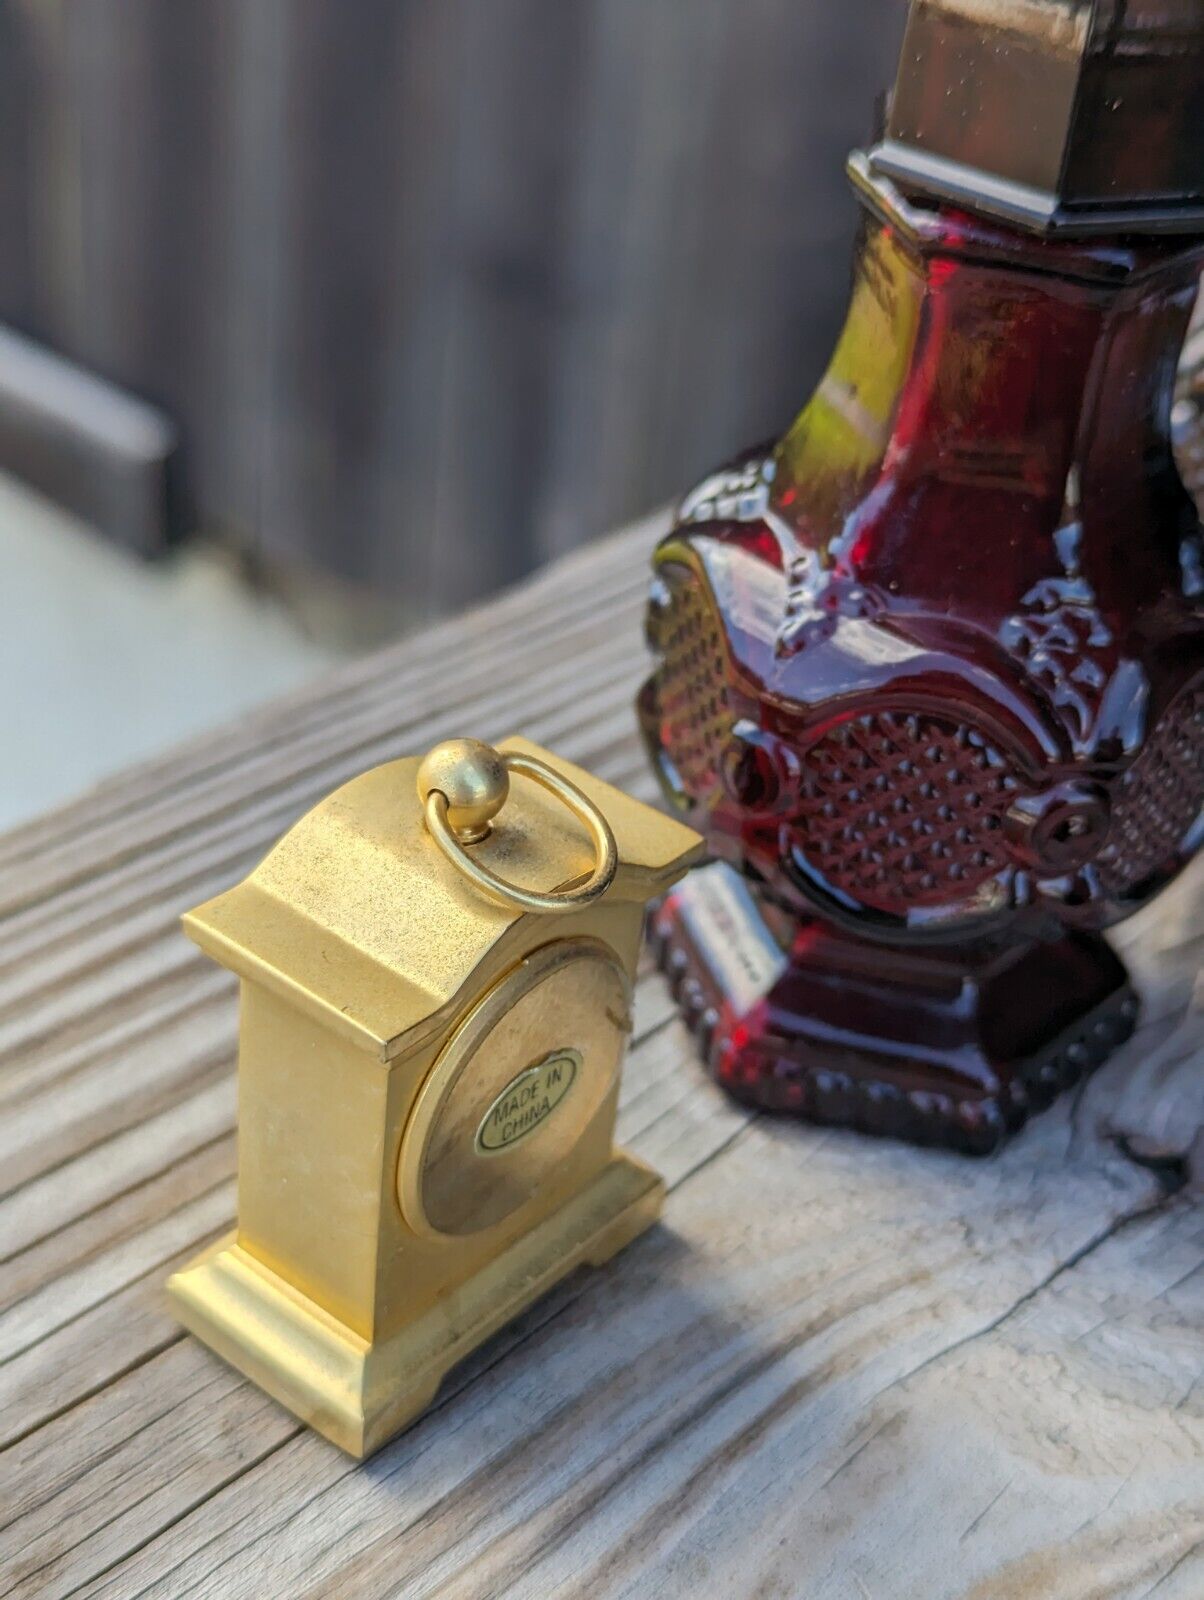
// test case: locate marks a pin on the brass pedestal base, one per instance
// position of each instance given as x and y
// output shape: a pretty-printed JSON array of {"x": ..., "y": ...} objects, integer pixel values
[{"x": 359, "y": 1394}]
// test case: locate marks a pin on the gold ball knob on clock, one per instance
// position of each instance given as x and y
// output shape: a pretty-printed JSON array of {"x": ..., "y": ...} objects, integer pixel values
[
  {"x": 463, "y": 784},
  {"x": 471, "y": 776}
]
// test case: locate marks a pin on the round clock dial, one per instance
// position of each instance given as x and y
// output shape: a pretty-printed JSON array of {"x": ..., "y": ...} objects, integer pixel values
[{"x": 514, "y": 1089}]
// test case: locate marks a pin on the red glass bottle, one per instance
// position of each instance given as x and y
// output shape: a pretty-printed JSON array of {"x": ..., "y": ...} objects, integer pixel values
[{"x": 930, "y": 678}]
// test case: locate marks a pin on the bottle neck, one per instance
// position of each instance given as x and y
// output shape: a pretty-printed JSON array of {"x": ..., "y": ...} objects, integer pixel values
[{"x": 992, "y": 386}]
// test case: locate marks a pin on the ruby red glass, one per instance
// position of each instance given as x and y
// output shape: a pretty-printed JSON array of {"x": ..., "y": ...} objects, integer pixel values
[{"x": 930, "y": 678}]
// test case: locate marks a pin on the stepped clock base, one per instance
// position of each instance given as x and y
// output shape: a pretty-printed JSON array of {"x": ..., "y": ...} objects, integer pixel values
[
  {"x": 953, "y": 1047},
  {"x": 360, "y": 1393}
]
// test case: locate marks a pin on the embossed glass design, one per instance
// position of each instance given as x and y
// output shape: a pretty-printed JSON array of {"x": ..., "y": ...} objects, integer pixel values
[{"x": 930, "y": 677}]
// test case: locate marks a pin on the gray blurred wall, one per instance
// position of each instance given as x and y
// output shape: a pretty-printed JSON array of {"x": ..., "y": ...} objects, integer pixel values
[{"x": 437, "y": 288}]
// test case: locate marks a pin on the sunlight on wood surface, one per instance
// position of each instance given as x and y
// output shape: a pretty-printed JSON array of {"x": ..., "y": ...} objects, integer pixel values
[{"x": 838, "y": 1368}]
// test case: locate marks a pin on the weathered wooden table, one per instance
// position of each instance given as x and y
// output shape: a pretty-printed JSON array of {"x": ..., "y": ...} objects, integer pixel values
[{"x": 838, "y": 1368}]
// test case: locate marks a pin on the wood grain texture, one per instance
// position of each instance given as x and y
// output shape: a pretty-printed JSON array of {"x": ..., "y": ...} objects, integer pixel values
[
  {"x": 837, "y": 1369},
  {"x": 436, "y": 290},
  {"x": 85, "y": 443}
]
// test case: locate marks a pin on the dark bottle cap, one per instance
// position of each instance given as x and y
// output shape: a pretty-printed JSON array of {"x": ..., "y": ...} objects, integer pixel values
[{"x": 1080, "y": 116}]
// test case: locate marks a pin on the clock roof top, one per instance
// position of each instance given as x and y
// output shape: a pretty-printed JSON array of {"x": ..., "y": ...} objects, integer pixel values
[{"x": 356, "y": 917}]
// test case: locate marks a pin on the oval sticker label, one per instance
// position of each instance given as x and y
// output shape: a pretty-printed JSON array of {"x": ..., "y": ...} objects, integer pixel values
[{"x": 527, "y": 1101}]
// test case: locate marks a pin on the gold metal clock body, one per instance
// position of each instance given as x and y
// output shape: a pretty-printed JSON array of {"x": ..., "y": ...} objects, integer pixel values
[{"x": 428, "y": 1080}]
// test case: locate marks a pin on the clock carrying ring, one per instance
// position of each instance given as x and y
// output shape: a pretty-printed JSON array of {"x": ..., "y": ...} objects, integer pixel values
[{"x": 463, "y": 784}]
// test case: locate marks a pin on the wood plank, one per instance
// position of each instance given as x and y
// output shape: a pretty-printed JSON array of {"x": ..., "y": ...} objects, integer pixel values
[
  {"x": 30, "y": 1473},
  {"x": 838, "y": 1368},
  {"x": 707, "y": 1386},
  {"x": 432, "y": 288},
  {"x": 80, "y": 1238},
  {"x": 154, "y": 1188},
  {"x": 85, "y": 443},
  {"x": 438, "y": 679}
]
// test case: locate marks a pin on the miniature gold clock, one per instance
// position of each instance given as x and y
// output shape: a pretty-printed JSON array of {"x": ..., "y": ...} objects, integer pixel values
[{"x": 437, "y": 969}]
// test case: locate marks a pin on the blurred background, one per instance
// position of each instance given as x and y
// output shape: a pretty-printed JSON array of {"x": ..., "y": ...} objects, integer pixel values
[{"x": 322, "y": 317}]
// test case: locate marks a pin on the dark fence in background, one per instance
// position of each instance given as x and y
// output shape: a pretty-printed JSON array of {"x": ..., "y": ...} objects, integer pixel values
[{"x": 437, "y": 288}]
